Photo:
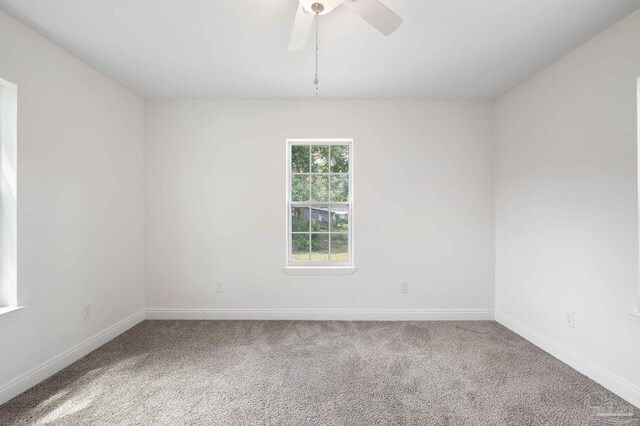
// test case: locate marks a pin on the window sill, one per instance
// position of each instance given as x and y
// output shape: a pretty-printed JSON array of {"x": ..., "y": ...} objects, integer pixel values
[
  {"x": 8, "y": 313},
  {"x": 320, "y": 270}
]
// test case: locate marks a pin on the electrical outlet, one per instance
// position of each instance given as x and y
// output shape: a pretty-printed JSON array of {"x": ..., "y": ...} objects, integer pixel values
[
  {"x": 219, "y": 287},
  {"x": 404, "y": 287},
  {"x": 87, "y": 310},
  {"x": 570, "y": 319}
]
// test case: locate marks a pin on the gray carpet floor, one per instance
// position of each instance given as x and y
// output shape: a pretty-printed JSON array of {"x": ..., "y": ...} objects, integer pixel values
[{"x": 318, "y": 373}]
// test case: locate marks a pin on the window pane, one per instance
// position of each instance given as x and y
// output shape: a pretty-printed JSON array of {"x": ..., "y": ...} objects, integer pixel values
[
  {"x": 339, "y": 219},
  {"x": 340, "y": 188},
  {"x": 319, "y": 158},
  {"x": 319, "y": 188},
  {"x": 299, "y": 188},
  {"x": 300, "y": 158},
  {"x": 339, "y": 159},
  {"x": 300, "y": 247},
  {"x": 320, "y": 219},
  {"x": 339, "y": 247},
  {"x": 319, "y": 247},
  {"x": 300, "y": 219},
  {"x": 320, "y": 207}
]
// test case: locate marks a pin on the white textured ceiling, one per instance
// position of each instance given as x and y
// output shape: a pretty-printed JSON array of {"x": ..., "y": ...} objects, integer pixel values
[{"x": 224, "y": 49}]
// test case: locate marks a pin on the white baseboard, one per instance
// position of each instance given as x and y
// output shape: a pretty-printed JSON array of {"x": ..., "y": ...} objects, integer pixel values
[
  {"x": 49, "y": 368},
  {"x": 615, "y": 384},
  {"x": 323, "y": 314}
]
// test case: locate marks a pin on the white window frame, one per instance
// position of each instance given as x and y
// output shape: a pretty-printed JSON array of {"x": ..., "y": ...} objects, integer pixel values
[
  {"x": 330, "y": 267},
  {"x": 8, "y": 201}
]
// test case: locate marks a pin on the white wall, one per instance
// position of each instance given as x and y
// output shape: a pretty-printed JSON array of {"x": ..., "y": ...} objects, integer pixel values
[
  {"x": 423, "y": 202},
  {"x": 81, "y": 168},
  {"x": 566, "y": 205}
]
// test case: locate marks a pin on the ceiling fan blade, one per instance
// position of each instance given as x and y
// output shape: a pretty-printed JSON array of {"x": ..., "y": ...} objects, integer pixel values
[
  {"x": 301, "y": 29},
  {"x": 375, "y": 13}
]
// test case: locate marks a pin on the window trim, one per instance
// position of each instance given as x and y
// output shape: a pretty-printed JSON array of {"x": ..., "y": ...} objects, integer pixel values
[
  {"x": 9, "y": 312},
  {"x": 9, "y": 299},
  {"x": 329, "y": 267}
]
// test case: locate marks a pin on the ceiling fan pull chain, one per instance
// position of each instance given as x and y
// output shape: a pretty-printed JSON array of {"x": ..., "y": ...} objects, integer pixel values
[{"x": 315, "y": 80}]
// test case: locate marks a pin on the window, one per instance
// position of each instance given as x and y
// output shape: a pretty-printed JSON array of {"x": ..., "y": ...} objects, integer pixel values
[
  {"x": 320, "y": 206},
  {"x": 8, "y": 200}
]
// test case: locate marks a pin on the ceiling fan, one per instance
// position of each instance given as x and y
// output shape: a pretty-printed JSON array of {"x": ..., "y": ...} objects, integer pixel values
[{"x": 372, "y": 11}]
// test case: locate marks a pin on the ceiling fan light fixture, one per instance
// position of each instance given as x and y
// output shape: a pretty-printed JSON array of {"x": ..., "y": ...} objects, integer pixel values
[
  {"x": 326, "y": 6},
  {"x": 317, "y": 8}
]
